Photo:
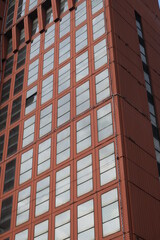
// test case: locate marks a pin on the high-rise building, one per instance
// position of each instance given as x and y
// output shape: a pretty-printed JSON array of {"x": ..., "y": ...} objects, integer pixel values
[{"x": 79, "y": 120}]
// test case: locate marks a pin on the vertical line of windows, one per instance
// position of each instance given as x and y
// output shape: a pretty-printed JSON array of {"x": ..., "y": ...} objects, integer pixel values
[{"x": 153, "y": 118}]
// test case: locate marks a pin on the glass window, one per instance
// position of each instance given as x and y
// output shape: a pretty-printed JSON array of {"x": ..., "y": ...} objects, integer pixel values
[
  {"x": 47, "y": 89},
  {"x": 23, "y": 206},
  {"x": 26, "y": 166},
  {"x": 42, "y": 196},
  {"x": 35, "y": 25},
  {"x": 64, "y": 78},
  {"x": 107, "y": 164},
  {"x": 81, "y": 38},
  {"x": 110, "y": 212},
  {"x": 63, "y": 5},
  {"x": 41, "y": 231},
  {"x": 85, "y": 221},
  {"x": 98, "y": 26},
  {"x": 84, "y": 175},
  {"x": 49, "y": 15},
  {"x": 82, "y": 68},
  {"x": 16, "y": 110},
  {"x": 22, "y": 235},
  {"x": 44, "y": 156},
  {"x": 62, "y": 186},
  {"x": 96, "y": 5},
  {"x": 13, "y": 140},
  {"x": 9, "y": 49},
  {"x": 8, "y": 66},
  {"x": 64, "y": 50},
  {"x": 32, "y": 4},
  {"x": 64, "y": 25},
  {"x": 62, "y": 226},
  {"x": 9, "y": 176},
  {"x": 33, "y": 72},
  {"x": 21, "y": 57},
  {"x": 45, "y": 121},
  {"x": 5, "y": 91},
  {"x": 31, "y": 99},
  {"x": 63, "y": 114},
  {"x": 100, "y": 54},
  {"x": 28, "y": 132},
  {"x": 104, "y": 122},
  {"x": 35, "y": 47},
  {"x": 48, "y": 61},
  {"x": 3, "y": 117},
  {"x": 63, "y": 145},
  {"x": 102, "y": 86},
  {"x": 18, "y": 86},
  {"x": 6, "y": 214},
  {"x": 80, "y": 13},
  {"x": 10, "y": 13},
  {"x": 22, "y": 36},
  {"x": 1, "y": 146},
  {"x": 49, "y": 36},
  {"x": 82, "y": 98},
  {"x": 21, "y": 8},
  {"x": 83, "y": 134}
]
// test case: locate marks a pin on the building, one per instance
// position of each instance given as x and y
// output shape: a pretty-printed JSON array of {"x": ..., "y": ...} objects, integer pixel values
[{"x": 79, "y": 118}]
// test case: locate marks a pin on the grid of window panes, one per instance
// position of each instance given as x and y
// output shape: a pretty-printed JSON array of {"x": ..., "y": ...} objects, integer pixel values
[{"x": 61, "y": 107}]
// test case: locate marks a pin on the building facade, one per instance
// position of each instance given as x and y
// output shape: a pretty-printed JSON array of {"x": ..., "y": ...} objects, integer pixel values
[{"x": 79, "y": 119}]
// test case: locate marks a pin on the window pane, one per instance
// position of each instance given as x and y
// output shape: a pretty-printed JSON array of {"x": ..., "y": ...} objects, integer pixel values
[
  {"x": 5, "y": 91},
  {"x": 100, "y": 54},
  {"x": 64, "y": 78},
  {"x": 33, "y": 72},
  {"x": 104, "y": 122},
  {"x": 8, "y": 66},
  {"x": 28, "y": 132},
  {"x": 35, "y": 47},
  {"x": 44, "y": 156},
  {"x": 42, "y": 196},
  {"x": 64, "y": 50},
  {"x": 22, "y": 235},
  {"x": 21, "y": 57},
  {"x": 49, "y": 36},
  {"x": 63, "y": 114},
  {"x": 41, "y": 231},
  {"x": 48, "y": 61},
  {"x": 45, "y": 121},
  {"x": 62, "y": 186},
  {"x": 26, "y": 166},
  {"x": 102, "y": 86},
  {"x": 96, "y": 5},
  {"x": 82, "y": 69},
  {"x": 47, "y": 89},
  {"x": 9, "y": 176},
  {"x": 83, "y": 134},
  {"x": 80, "y": 13},
  {"x": 63, "y": 5},
  {"x": 31, "y": 100},
  {"x": 3, "y": 117},
  {"x": 13, "y": 140},
  {"x": 84, "y": 175},
  {"x": 62, "y": 226},
  {"x": 23, "y": 206},
  {"x": 49, "y": 15},
  {"x": 81, "y": 38},
  {"x": 6, "y": 214},
  {"x": 63, "y": 145},
  {"x": 110, "y": 212},
  {"x": 19, "y": 82},
  {"x": 16, "y": 110},
  {"x": 21, "y": 8},
  {"x": 10, "y": 13},
  {"x": 1, "y": 146},
  {"x": 64, "y": 25},
  {"x": 82, "y": 98}
]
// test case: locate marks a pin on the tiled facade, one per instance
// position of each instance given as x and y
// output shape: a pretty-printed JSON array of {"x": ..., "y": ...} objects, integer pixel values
[{"x": 63, "y": 171}]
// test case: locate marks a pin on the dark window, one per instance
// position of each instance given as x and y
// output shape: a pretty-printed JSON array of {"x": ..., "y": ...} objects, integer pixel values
[
  {"x": 9, "y": 50},
  {"x": 3, "y": 117},
  {"x": 13, "y": 140},
  {"x": 6, "y": 212},
  {"x": 21, "y": 57},
  {"x": 1, "y": 146},
  {"x": 10, "y": 13},
  {"x": 21, "y": 8},
  {"x": 16, "y": 109},
  {"x": 9, "y": 66},
  {"x": 155, "y": 132},
  {"x": 5, "y": 91},
  {"x": 22, "y": 36},
  {"x": 19, "y": 82},
  {"x": 9, "y": 176}
]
